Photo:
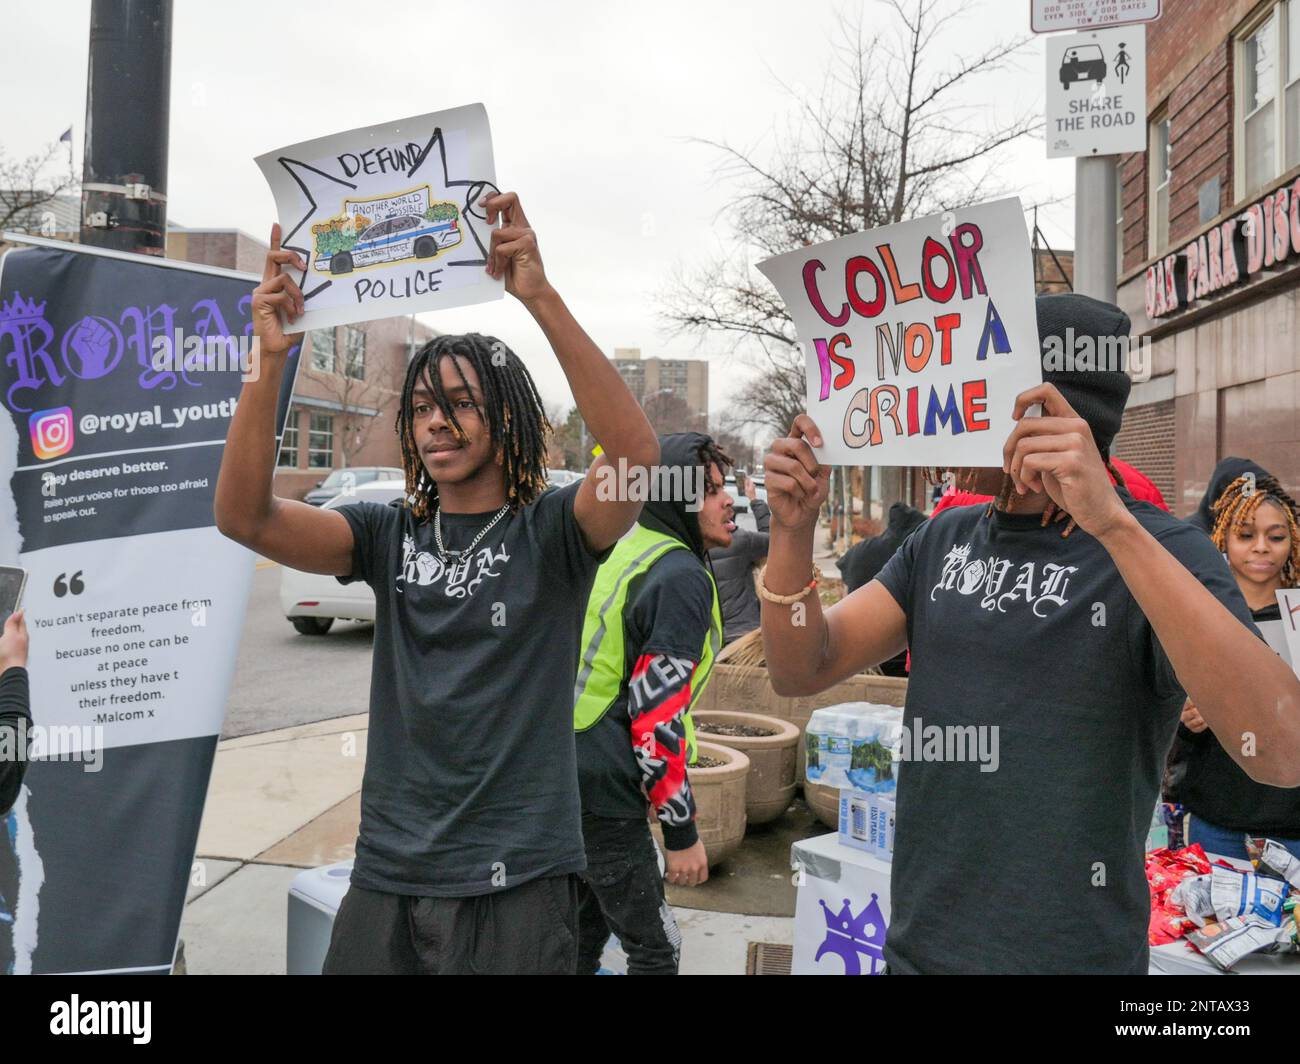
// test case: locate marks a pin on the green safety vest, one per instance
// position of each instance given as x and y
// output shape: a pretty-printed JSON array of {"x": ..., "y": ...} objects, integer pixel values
[{"x": 601, "y": 670}]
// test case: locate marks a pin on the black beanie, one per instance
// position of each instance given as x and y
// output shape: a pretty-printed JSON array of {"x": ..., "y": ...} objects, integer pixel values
[{"x": 1097, "y": 392}]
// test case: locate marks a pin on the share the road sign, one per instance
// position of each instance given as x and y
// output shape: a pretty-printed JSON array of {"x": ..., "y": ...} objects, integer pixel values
[{"x": 1096, "y": 92}]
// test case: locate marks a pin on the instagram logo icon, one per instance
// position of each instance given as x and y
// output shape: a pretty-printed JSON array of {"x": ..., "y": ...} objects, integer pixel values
[{"x": 51, "y": 432}]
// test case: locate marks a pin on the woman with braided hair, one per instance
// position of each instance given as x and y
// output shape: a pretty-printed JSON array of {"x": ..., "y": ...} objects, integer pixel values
[
  {"x": 471, "y": 837},
  {"x": 1256, "y": 528},
  {"x": 1068, "y": 647}
]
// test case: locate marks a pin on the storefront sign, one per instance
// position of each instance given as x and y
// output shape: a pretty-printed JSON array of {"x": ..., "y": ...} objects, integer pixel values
[{"x": 1263, "y": 236}]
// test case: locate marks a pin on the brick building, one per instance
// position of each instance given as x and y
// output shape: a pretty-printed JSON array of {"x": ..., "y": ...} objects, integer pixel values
[
  {"x": 345, "y": 397},
  {"x": 1210, "y": 245}
]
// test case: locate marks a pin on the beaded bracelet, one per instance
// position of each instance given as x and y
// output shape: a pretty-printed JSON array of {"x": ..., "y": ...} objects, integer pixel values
[{"x": 786, "y": 600}]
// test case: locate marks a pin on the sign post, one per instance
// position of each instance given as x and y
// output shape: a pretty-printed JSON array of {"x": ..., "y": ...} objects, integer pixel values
[{"x": 1096, "y": 110}]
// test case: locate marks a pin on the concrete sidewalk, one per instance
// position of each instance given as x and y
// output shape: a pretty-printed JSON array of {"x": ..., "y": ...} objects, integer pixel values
[{"x": 290, "y": 799}]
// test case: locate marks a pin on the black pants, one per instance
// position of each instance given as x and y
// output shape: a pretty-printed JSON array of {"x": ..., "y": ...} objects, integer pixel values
[
  {"x": 623, "y": 891},
  {"x": 530, "y": 929}
]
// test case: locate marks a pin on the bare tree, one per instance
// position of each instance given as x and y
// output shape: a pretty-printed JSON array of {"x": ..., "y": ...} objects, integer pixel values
[
  {"x": 668, "y": 412},
  {"x": 729, "y": 432},
  {"x": 27, "y": 185},
  {"x": 887, "y": 138},
  {"x": 570, "y": 442}
]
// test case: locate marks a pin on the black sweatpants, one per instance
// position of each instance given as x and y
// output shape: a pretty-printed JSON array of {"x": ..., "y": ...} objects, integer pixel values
[
  {"x": 622, "y": 891},
  {"x": 530, "y": 929}
]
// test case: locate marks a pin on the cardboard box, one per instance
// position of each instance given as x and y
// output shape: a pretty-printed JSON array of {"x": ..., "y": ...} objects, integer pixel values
[
  {"x": 867, "y": 822},
  {"x": 841, "y": 910}
]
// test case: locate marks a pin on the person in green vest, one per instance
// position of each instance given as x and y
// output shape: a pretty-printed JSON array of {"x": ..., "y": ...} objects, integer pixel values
[{"x": 652, "y": 628}]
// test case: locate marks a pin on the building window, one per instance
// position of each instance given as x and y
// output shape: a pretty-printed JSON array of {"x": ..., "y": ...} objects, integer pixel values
[
  {"x": 289, "y": 444},
  {"x": 1268, "y": 98},
  {"x": 322, "y": 350},
  {"x": 355, "y": 350},
  {"x": 1292, "y": 91},
  {"x": 320, "y": 442},
  {"x": 1160, "y": 172}
]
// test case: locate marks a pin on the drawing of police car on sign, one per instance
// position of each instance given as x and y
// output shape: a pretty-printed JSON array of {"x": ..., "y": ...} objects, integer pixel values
[{"x": 385, "y": 230}]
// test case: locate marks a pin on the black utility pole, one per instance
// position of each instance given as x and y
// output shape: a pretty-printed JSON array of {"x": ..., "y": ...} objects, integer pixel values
[{"x": 128, "y": 96}]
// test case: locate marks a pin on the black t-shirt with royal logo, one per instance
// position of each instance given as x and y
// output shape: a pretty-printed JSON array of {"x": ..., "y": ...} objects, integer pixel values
[
  {"x": 1037, "y": 865},
  {"x": 471, "y": 779}
]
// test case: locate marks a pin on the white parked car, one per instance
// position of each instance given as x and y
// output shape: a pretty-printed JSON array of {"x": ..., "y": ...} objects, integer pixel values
[{"x": 312, "y": 601}]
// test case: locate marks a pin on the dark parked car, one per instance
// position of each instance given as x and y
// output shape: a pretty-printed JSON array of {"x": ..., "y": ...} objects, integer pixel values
[{"x": 347, "y": 480}]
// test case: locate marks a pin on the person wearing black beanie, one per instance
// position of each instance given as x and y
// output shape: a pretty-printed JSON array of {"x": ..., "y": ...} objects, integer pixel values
[
  {"x": 1059, "y": 629},
  {"x": 1228, "y": 470},
  {"x": 1092, "y": 382}
]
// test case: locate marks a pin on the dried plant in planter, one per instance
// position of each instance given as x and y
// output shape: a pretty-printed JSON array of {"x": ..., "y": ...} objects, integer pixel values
[{"x": 746, "y": 655}]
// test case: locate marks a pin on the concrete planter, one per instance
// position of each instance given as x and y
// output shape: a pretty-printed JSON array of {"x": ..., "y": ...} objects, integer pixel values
[
  {"x": 824, "y": 802},
  {"x": 719, "y": 801},
  {"x": 773, "y": 760}
]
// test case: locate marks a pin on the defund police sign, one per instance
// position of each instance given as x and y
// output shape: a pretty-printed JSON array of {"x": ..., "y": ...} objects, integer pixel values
[{"x": 1096, "y": 92}]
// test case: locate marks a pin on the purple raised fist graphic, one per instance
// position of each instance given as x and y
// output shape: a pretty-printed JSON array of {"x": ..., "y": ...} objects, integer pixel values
[{"x": 96, "y": 348}]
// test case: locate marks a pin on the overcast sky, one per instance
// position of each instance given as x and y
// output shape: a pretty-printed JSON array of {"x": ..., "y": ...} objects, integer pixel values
[{"x": 592, "y": 105}]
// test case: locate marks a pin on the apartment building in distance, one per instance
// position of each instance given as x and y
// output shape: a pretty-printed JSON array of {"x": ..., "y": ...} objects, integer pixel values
[{"x": 686, "y": 378}]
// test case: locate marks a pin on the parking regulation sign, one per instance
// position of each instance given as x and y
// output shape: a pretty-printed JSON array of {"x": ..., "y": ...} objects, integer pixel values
[
  {"x": 1051, "y": 16},
  {"x": 1097, "y": 92}
]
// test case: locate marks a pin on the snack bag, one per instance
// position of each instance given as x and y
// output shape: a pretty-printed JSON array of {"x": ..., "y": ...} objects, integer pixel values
[
  {"x": 1225, "y": 943},
  {"x": 1194, "y": 896},
  {"x": 1274, "y": 859},
  {"x": 1234, "y": 893}
]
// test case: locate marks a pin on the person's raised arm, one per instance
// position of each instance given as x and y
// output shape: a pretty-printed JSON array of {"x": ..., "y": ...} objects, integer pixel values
[
  {"x": 284, "y": 530},
  {"x": 809, "y": 650},
  {"x": 1236, "y": 682},
  {"x": 610, "y": 411},
  {"x": 15, "y": 708}
]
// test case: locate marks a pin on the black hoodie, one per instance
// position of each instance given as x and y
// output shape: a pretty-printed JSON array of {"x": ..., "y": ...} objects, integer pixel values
[
  {"x": 1224, "y": 474},
  {"x": 679, "y": 451},
  {"x": 668, "y": 612},
  {"x": 861, "y": 562}
]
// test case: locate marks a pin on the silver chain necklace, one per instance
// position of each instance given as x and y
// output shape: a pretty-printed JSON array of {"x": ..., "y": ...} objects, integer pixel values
[{"x": 458, "y": 554}]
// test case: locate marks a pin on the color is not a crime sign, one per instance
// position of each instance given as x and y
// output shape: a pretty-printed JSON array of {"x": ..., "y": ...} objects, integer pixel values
[{"x": 917, "y": 336}]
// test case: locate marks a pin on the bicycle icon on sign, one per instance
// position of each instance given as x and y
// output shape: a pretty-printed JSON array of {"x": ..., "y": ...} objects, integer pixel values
[{"x": 1121, "y": 63}]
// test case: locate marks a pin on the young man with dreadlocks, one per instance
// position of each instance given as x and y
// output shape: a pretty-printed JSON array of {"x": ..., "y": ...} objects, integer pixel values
[
  {"x": 470, "y": 837},
  {"x": 652, "y": 629},
  {"x": 1256, "y": 527},
  {"x": 1076, "y": 640}
]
